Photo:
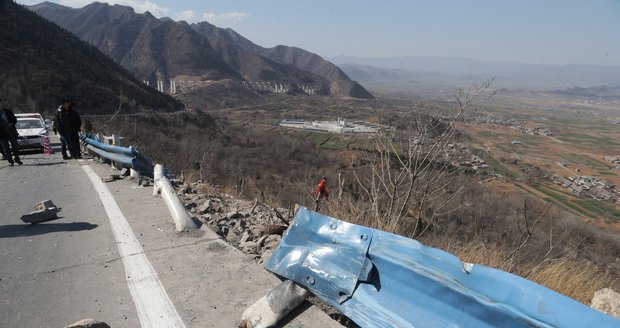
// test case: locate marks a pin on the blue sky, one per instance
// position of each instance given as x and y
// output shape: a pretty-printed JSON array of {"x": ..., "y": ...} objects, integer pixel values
[{"x": 530, "y": 31}]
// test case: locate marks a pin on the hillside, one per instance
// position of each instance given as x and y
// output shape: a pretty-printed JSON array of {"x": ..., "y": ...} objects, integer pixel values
[
  {"x": 149, "y": 48},
  {"x": 41, "y": 63},
  {"x": 161, "y": 49},
  {"x": 340, "y": 83}
]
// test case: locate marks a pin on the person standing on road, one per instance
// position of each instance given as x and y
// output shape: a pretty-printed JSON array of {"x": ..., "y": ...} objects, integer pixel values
[
  {"x": 62, "y": 112},
  {"x": 76, "y": 123},
  {"x": 67, "y": 123},
  {"x": 8, "y": 135}
]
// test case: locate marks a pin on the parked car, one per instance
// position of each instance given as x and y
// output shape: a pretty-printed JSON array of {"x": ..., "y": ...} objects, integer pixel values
[
  {"x": 32, "y": 131},
  {"x": 30, "y": 115}
]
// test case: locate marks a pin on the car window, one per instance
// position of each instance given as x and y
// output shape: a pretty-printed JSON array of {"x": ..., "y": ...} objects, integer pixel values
[
  {"x": 29, "y": 115},
  {"x": 28, "y": 124}
]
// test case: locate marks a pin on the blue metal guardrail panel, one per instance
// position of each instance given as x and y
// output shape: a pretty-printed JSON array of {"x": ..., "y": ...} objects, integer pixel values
[
  {"x": 126, "y": 161},
  {"x": 127, "y": 151},
  {"x": 128, "y": 156},
  {"x": 379, "y": 279}
]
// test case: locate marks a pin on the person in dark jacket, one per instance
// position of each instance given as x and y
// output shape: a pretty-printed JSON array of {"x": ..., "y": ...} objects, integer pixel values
[
  {"x": 67, "y": 123},
  {"x": 76, "y": 124},
  {"x": 8, "y": 135},
  {"x": 62, "y": 111}
]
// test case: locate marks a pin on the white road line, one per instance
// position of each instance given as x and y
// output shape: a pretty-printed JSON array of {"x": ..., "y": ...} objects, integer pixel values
[{"x": 152, "y": 303}]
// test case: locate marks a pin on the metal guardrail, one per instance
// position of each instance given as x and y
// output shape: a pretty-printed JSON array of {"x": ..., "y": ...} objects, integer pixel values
[
  {"x": 128, "y": 157},
  {"x": 379, "y": 279}
]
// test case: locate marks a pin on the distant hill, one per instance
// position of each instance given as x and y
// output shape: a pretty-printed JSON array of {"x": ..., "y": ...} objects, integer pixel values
[
  {"x": 228, "y": 39},
  {"x": 160, "y": 49},
  {"x": 599, "y": 92},
  {"x": 456, "y": 71},
  {"x": 40, "y": 63},
  {"x": 149, "y": 48}
]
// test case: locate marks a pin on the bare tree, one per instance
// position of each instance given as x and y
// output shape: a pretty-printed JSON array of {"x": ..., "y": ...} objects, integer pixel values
[
  {"x": 121, "y": 99},
  {"x": 409, "y": 178}
]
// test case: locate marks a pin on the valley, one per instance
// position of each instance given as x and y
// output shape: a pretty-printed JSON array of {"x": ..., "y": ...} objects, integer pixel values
[{"x": 520, "y": 173}]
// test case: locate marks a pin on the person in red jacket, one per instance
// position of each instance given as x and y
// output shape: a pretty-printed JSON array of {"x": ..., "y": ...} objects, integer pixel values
[{"x": 321, "y": 192}]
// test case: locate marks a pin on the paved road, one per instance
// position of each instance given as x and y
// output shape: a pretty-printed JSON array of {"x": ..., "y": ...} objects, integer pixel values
[
  {"x": 58, "y": 272},
  {"x": 64, "y": 270}
]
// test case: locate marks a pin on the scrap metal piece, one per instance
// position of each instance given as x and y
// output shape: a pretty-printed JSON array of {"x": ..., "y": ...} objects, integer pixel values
[
  {"x": 331, "y": 253},
  {"x": 43, "y": 211},
  {"x": 394, "y": 281}
]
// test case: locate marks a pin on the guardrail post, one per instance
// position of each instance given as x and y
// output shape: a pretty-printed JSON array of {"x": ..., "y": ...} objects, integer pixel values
[
  {"x": 135, "y": 175},
  {"x": 162, "y": 186},
  {"x": 116, "y": 141},
  {"x": 158, "y": 173}
]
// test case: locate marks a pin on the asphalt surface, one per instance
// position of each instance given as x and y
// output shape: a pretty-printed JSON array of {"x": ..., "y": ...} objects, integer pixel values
[
  {"x": 57, "y": 272},
  {"x": 60, "y": 271}
]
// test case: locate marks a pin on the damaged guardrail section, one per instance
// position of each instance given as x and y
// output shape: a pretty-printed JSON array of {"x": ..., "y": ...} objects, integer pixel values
[
  {"x": 128, "y": 157},
  {"x": 379, "y": 279}
]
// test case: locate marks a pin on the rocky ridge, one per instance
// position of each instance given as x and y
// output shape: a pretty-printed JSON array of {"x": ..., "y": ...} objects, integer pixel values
[{"x": 162, "y": 49}]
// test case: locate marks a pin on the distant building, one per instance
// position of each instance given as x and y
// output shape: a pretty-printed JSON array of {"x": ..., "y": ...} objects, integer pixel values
[
  {"x": 341, "y": 125},
  {"x": 613, "y": 159}
]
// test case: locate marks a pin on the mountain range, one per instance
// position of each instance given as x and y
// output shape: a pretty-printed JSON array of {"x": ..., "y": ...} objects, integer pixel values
[
  {"x": 162, "y": 49},
  {"x": 446, "y": 71},
  {"x": 40, "y": 63}
]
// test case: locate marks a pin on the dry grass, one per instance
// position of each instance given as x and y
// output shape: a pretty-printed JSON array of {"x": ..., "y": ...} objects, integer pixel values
[
  {"x": 206, "y": 188},
  {"x": 480, "y": 253},
  {"x": 575, "y": 279}
]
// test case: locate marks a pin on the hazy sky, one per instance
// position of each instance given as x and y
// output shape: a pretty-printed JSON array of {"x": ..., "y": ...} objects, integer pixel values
[{"x": 531, "y": 31}]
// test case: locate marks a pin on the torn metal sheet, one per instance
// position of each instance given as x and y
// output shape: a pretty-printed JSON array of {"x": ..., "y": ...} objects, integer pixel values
[
  {"x": 379, "y": 279},
  {"x": 320, "y": 248}
]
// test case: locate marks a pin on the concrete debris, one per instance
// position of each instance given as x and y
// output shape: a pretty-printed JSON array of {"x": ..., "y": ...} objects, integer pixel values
[
  {"x": 268, "y": 310},
  {"x": 206, "y": 207},
  {"x": 88, "y": 323},
  {"x": 251, "y": 227},
  {"x": 43, "y": 211},
  {"x": 272, "y": 242},
  {"x": 607, "y": 301},
  {"x": 254, "y": 228},
  {"x": 111, "y": 178}
]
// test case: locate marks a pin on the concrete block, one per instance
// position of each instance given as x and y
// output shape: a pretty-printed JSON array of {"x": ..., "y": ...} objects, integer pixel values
[
  {"x": 43, "y": 211},
  {"x": 88, "y": 323},
  {"x": 272, "y": 307},
  {"x": 111, "y": 178}
]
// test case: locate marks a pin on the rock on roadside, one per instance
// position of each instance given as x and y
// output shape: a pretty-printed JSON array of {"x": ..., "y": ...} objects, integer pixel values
[
  {"x": 88, "y": 323},
  {"x": 607, "y": 301},
  {"x": 43, "y": 211}
]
